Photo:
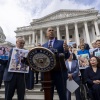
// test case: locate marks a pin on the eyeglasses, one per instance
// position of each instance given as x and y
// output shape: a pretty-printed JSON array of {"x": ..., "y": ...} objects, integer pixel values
[
  {"x": 51, "y": 30},
  {"x": 21, "y": 42}
]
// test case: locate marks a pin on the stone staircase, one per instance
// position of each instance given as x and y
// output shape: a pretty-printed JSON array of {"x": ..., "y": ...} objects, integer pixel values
[{"x": 34, "y": 94}]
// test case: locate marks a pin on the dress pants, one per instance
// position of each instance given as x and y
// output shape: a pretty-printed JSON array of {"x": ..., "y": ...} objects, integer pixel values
[
  {"x": 1, "y": 77},
  {"x": 96, "y": 91},
  {"x": 17, "y": 82},
  {"x": 77, "y": 94},
  {"x": 36, "y": 75},
  {"x": 59, "y": 81},
  {"x": 30, "y": 80}
]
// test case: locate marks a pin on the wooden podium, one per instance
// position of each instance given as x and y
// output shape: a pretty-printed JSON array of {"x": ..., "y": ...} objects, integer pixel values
[{"x": 43, "y": 60}]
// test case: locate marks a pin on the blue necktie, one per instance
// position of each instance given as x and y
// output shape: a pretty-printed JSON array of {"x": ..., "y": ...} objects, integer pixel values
[{"x": 50, "y": 44}]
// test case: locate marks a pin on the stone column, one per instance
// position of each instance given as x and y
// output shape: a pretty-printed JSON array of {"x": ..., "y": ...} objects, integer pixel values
[
  {"x": 93, "y": 33},
  {"x": 41, "y": 36},
  {"x": 84, "y": 36},
  {"x": 58, "y": 33},
  {"x": 23, "y": 37},
  {"x": 36, "y": 39},
  {"x": 87, "y": 33},
  {"x": 67, "y": 33},
  {"x": 33, "y": 37},
  {"x": 77, "y": 35},
  {"x": 29, "y": 39},
  {"x": 96, "y": 28}
]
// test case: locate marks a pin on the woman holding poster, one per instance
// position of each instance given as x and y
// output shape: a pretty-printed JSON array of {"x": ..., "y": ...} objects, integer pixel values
[{"x": 83, "y": 57}]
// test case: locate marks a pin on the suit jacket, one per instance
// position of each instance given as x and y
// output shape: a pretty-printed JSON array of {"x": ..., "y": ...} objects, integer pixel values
[
  {"x": 74, "y": 69},
  {"x": 90, "y": 76},
  {"x": 58, "y": 45},
  {"x": 2, "y": 66},
  {"x": 8, "y": 75},
  {"x": 96, "y": 50}
]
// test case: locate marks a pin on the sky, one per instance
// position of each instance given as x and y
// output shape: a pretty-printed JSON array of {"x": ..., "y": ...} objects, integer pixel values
[{"x": 19, "y": 13}]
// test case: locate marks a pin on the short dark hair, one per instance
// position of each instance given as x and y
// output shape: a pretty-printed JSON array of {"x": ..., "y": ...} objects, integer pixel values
[
  {"x": 98, "y": 60},
  {"x": 98, "y": 40}
]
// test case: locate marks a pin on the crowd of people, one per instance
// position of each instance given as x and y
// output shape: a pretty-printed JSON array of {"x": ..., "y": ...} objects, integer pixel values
[{"x": 79, "y": 61}]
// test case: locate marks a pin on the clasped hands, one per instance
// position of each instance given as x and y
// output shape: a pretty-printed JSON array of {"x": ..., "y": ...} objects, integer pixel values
[
  {"x": 70, "y": 77},
  {"x": 96, "y": 81}
]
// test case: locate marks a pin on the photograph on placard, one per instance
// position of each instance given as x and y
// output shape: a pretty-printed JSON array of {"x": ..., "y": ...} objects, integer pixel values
[
  {"x": 97, "y": 54},
  {"x": 15, "y": 64},
  {"x": 83, "y": 60},
  {"x": 4, "y": 52}
]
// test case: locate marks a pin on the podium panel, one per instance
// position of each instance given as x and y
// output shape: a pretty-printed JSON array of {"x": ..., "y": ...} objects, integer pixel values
[{"x": 41, "y": 59}]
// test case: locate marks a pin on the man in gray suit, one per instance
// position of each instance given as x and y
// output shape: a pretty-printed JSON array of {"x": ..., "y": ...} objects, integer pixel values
[{"x": 14, "y": 80}]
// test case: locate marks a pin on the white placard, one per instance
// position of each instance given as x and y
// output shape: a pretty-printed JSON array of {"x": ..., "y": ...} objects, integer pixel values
[
  {"x": 4, "y": 52},
  {"x": 83, "y": 60},
  {"x": 72, "y": 85},
  {"x": 15, "y": 63},
  {"x": 97, "y": 54}
]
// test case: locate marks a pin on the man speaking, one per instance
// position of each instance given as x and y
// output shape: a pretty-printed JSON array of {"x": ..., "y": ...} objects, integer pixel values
[{"x": 58, "y": 77}]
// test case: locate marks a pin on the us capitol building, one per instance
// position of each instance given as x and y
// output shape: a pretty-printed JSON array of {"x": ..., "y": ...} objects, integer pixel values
[
  {"x": 68, "y": 25},
  {"x": 3, "y": 38}
]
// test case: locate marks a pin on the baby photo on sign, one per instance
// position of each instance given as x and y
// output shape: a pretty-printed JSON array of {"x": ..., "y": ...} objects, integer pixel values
[
  {"x": 15, "y": 64},
  {"x": 97, "y": 54},
  {"x": 4, "y": 52},
  {"x": 83, "y": 60}
]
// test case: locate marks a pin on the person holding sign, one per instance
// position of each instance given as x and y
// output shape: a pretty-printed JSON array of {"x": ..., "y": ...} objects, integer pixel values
[
  {"x": 14, "y": 80},
  {"x": 73, "y": 74}
]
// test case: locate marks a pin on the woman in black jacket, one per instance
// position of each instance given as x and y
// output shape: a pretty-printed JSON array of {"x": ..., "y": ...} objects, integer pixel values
[{"x": 92, "y": 75}]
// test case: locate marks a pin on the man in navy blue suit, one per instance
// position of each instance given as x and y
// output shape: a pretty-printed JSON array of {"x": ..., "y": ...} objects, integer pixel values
[
  {"x": 14, "y": 80},
  {"x": 58, "y": 77}
]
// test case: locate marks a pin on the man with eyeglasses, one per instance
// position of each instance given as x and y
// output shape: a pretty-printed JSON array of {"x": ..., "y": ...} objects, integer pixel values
[
  {"x": 14, "y": 80},
  {"x": 58, "y": 77}
]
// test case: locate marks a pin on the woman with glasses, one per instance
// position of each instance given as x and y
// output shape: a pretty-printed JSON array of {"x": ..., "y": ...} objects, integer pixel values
[{"x": 92, "y": 75}]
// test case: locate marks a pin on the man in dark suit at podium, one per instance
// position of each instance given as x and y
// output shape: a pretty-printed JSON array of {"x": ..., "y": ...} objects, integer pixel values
[{"x": 58, "y": 77}]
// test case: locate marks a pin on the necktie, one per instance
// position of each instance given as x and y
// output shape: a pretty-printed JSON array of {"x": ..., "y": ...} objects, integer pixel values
[{"x": 50, "y": 44}]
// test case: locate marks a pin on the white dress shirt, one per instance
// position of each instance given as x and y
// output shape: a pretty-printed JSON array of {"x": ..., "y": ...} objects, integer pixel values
[{"x": 70, "y": 64}]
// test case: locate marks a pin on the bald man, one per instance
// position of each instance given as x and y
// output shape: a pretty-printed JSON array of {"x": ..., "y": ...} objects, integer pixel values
[
  {"x": 58, "y": 76},
  {"x": 14, "y": 80}
]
